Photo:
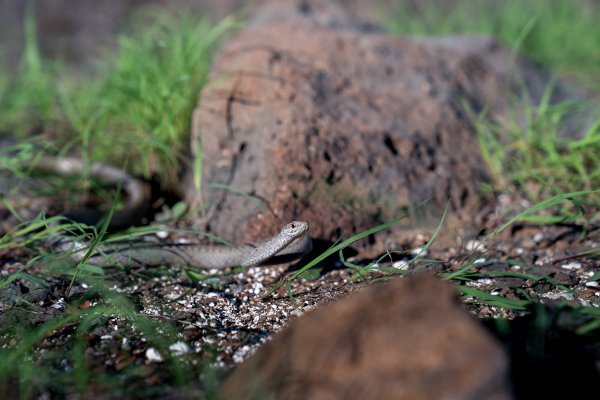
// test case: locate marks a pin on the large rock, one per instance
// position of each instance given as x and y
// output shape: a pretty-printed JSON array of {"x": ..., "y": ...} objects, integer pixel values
[
  {"x": 405, "y": 339},
  {"x": 324, "y": 119}
]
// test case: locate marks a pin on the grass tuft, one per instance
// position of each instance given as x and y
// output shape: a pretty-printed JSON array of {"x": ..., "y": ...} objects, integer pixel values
[
  {"x": 136, "y": 111},
  {"x": 530, "y": 152}
]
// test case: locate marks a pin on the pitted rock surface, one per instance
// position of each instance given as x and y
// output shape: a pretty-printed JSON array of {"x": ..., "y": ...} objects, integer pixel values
[
  {"x": 331, "y": 121},
  {"x": 405, "y": 339}
]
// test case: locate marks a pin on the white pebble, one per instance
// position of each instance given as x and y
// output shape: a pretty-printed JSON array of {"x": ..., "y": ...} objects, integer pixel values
[
  {"x": 418, "y": 251},
  {"x": 59, "y": 306},
  {"x": 571, "y": 266},
  {"x": 474, "y": 245},
  {"x": 162, "y": 234},
  {"x": 504, "y": 199},
  {"x": 152, "y": 355},
  {"x": 558, "y": 295},
  {"x": 179, "y": 348},
  {"x": 401, "y": 265},
  {"x": 242, "y": 353}
]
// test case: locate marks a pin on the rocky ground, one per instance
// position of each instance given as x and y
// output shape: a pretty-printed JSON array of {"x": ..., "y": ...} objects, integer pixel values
[{"x": 223, "y": 319}]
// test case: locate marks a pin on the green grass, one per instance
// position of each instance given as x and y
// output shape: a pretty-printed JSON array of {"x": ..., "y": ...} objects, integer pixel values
[
  {"x": 534, "y": 157},
  {"x": 134, "y": 112},
  {"x": 563, "y": 35},
  {"x": 24, "y": 369},
  {"x": 31, "y": 361}
]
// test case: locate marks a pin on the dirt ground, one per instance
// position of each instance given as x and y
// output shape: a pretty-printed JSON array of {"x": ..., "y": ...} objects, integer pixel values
[{"x": 223, "y": 318}]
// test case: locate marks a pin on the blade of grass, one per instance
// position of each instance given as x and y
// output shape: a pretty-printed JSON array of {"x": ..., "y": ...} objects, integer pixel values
[
  {"x": 489, "y": 299},
  {"x": 542, "y": 205}
]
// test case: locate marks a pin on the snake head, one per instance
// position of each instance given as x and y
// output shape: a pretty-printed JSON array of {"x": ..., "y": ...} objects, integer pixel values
[
  {"x": 283, "y": 241},
  {"x": 295, "y": 229}
]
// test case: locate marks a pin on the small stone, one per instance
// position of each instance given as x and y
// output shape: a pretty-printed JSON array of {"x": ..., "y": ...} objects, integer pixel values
[
  {"x": 558, "y": 295},
  {"x": 152, "y": 355},
  {"x": 418, "y": 251},
  {"x": 401, "y": 265},
  {"x": 571, "y": 266},
  {"x": 475, "y": 245},
  {"x": 179, "y": 348},
  {"x": 162, "y": 234}
]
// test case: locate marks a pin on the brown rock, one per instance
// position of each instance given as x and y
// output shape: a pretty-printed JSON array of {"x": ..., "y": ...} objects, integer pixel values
[
  {"x": 404, "y": 339},
  {"x": 328, "y": 120}
]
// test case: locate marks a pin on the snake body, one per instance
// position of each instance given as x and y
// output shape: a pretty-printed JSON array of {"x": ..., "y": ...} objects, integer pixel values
[
  {"x": 290, "y": 243},
  {"x": 136, "y": 197}
]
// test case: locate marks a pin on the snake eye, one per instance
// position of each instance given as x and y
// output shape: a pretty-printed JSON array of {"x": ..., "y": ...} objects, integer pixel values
[{"x": 296, "y": 227}]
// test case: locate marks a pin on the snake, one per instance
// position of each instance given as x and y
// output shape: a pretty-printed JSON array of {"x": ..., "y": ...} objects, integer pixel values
[{"x": 291, "y": 243}]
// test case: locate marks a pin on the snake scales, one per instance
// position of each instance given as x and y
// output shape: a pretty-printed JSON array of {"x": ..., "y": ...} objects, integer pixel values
[{"x": 290, "y": 243}]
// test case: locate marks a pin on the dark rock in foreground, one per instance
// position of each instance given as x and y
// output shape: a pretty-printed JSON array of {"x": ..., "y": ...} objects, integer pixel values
[{"x": 404, "y": 339}]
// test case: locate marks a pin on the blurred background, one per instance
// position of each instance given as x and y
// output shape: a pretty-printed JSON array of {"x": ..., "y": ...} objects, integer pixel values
[
  {"x": 86, "y": 71},
  {"x": 79, "y": 31}
]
